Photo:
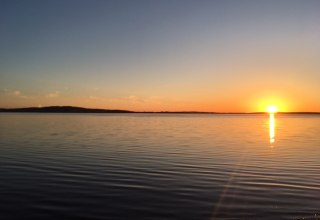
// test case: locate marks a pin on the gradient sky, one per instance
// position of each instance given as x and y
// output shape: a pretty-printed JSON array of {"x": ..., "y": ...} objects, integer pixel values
[{"x": 161, "y": 55}]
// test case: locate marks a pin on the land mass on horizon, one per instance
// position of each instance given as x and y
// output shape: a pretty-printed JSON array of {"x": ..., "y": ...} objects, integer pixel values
[{"x": 74, "y": 109}]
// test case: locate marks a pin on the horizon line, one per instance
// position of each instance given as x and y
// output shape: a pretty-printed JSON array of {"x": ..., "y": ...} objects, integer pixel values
[{"x": 77, "y": 109}]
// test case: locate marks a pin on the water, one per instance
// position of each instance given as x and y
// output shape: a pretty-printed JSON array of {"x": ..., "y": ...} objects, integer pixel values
[{"x": 151, "y": 166}]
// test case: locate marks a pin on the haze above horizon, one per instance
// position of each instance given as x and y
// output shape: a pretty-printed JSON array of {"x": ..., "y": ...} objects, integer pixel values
[{"x": 214, "y": 56}]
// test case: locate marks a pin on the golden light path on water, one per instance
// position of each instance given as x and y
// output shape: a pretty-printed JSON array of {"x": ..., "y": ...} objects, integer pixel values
[
  {"x": 271, "y": 129},
  {"x": 272, "y": 111}
]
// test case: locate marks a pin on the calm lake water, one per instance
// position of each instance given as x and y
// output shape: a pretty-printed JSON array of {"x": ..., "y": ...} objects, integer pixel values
[{"x": 152, "y": 166}]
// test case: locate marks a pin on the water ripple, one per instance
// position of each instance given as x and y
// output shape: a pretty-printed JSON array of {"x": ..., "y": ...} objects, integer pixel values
[{"x": 83, "y": 166}]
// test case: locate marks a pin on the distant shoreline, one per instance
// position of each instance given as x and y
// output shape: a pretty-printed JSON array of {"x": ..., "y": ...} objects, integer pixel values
[{"x": 73, "y": 109}]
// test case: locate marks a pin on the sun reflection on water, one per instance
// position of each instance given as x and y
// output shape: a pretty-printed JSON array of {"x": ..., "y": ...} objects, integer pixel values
[{"x": 271, "y": 129}]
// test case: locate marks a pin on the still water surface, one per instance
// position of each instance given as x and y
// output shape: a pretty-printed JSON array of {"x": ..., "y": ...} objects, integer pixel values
[{"x": 151, "y": 166}]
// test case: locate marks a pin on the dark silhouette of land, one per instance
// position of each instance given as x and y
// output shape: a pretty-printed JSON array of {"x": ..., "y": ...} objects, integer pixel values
[
  {"x": 72, "y": 109},
  {"x": 64, "y": 109}
]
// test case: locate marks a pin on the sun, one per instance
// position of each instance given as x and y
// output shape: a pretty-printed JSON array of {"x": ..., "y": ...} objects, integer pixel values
[
  {"x": 272, "y": 109},
  {"x": 272, "y": 104}
]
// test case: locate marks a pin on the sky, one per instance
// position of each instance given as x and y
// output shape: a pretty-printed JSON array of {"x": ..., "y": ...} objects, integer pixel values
[{"x": 168, "y": 55}]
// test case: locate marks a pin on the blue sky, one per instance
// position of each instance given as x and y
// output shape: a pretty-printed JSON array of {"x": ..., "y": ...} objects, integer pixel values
[{"x": 160, "y": 55}]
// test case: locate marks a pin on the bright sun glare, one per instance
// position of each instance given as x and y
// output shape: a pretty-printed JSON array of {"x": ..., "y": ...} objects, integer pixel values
[{"x": 272, "y": 109}]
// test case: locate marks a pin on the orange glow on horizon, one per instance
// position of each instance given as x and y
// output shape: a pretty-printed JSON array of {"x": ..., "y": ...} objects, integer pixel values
[{"x": 273, "y": 106}]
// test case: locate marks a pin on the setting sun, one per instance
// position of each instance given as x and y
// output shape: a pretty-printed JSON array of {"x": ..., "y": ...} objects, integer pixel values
[
  {"x": 273, "y": 104},
  {"x": 272, "y": 109}
]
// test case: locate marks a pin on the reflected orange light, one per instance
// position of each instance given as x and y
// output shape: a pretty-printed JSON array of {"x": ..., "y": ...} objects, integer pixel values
[{"x": 272, "y": 128}]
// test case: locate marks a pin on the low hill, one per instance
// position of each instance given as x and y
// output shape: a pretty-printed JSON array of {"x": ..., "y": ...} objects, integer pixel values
[{"x": 64, "y": 109}]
